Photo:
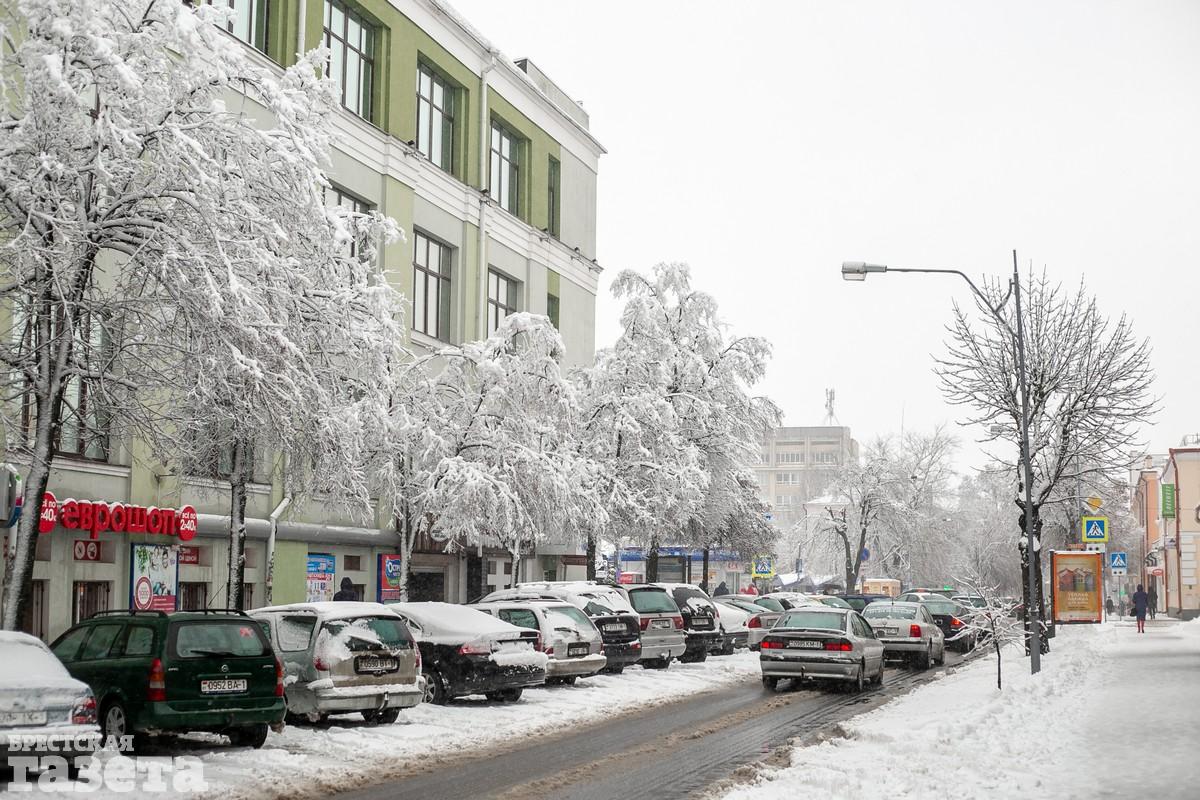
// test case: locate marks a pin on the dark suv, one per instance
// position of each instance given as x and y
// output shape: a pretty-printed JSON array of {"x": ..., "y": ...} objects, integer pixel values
[{"x": 154, "y": 672}]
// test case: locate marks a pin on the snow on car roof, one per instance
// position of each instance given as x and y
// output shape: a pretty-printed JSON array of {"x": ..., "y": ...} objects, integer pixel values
[
  {"x": 28, "y": 662},
  {"x": 451, "y": 618},
  {"x": 329, "y": 609}
]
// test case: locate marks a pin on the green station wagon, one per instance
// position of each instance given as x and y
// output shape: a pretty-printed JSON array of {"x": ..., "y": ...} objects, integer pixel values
[{"x": 154, "y": 672}]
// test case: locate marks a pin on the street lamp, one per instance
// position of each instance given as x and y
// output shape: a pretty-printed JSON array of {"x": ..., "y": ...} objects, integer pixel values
[{"x": 858, "y": 271}]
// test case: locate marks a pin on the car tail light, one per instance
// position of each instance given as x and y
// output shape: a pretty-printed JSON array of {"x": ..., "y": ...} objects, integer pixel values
[
  {"x": 644, "y": 622},
  {"x": 771, "y": 644},
  {"x": 678, "y": 620},
  {"x": 839, "y": 646},
  {"x": 479, "y": 647},
  {"x": 84, "y": 712},
  {"x": 955, "y": 622},
  {"x": 417, "y": 658},
  {"x": 754, "y": 622},
  {"x": 636, "y": 646},
  {"x": 156, "y": 686},
  {"x": 278, "y": 678},
  {"x": 914, "y": 631},
  {"x": 540, "y": 646},
  {"x": 320, "y": 664}
]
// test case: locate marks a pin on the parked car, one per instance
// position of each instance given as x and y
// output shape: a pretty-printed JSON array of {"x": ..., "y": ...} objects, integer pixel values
[
  {"x": 465, "y": 651},
  {"x": 39, "y": 698},
  {"x": 342, "y": 658},
  {"x": 908, "y": 632},
  {"x": 759, "y": 617},
  {"x": 568, "y": 637},
  {"x": 949, "y": 616},
  {"x": 970, "y": 600},
  {"x": 154, "y": 672},
  {"x": 700, "y": 621},
  {"x": 733, "y": 624},
  {"x": 832, "y": 601},
  {"x": 663, "y": 638},
  {"x": 824, "y": 644},
  {"x": 607, "y": 607},
  {"x": 790, "y": 600},
  {"x": 860, "y": 601}
]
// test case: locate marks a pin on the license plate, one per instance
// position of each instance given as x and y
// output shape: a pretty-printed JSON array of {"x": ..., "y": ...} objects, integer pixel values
[
  {"x": 804, "y": 645},
  {"x": 613, "y": 628},
  {"x": 702, "y": 623},
  {"x": 659, "y": 624},
  {"x": 223, "y": 685},
  {"x": 891, "y": 631},
  {"x": 574, "y": 650},
  {"x": 376, "y": 665},
  {"x": 12, "y": 718}
]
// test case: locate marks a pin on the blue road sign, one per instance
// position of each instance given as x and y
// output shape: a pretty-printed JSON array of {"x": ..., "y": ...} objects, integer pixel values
[
  {"x": 1118, "y": 561},
  {"x": 1095, "y": 529}
]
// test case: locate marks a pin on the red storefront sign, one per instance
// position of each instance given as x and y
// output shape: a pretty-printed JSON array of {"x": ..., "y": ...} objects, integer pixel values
[
  {"x": 96, "y": 517},
  {"x": 189, "y": 555}
]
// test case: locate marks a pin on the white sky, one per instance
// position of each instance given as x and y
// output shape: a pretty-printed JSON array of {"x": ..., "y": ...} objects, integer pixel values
[{"x": 765, "y": 143}]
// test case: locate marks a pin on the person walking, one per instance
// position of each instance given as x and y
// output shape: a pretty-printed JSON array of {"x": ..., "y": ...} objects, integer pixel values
[
  {"x": 721, "y": 589},
  {"x": 1109, "y": 606},
  {"x": 1152, "y": 601},
  {"x": 1140, "y": 601},
  {"x": 346, "y": 593}
]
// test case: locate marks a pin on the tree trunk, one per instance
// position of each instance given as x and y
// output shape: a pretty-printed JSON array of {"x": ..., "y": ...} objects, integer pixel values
[
  {"x": 652, "y": 561},
  {"x": 19, "y": 570},
  {"x": 591, "y": 557},
  {"x": 704, "y": 579},
  {"x": 238, "y": 477}
]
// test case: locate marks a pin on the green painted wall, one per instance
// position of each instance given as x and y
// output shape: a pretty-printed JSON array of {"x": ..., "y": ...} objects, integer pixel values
[{"x": 291, "y": 573}]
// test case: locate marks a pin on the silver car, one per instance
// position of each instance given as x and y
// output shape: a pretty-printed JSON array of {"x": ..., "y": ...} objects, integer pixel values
[
  {"x": 821, "y": 643},
  {"x": 663, "y": 636},
  {"x": 569, "y": 638},
  {"x": 760, "y": 619},
  {"x": 907, "y": 631},
  {"x": 341, "y": 657}
]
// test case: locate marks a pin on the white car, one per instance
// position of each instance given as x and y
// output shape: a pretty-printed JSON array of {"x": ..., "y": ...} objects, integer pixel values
[
  {"x": 41, "y": 703},
  {"x": 569, "y": 638},
  {"x": 733, "y": 621}
]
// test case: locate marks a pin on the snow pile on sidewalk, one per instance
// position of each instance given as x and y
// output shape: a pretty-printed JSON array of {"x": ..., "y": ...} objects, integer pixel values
[
  {"x": 312, "y": 762},
  {"x": 1048, "y": 736}
]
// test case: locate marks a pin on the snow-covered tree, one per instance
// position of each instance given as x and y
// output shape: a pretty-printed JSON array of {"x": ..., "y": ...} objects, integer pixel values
[
  {"x": 709, "y": 376},
  {"x": 165, "y": 245},
  {"x": 862, "y": 495},
  {"x": 1089, "y": 392}
]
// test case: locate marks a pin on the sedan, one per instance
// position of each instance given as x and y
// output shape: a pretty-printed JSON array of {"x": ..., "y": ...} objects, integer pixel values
[
  {"x": 822, "y": 643},
  {"x": 949, "y": 616},
  {"x": 760, "y": 616},
  {"x": 41, "y": 703},
  {"x": 908, "y": 632}
]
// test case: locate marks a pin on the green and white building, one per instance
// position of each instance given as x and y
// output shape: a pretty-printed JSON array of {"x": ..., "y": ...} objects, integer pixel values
[{"x": 490, "y": 169}]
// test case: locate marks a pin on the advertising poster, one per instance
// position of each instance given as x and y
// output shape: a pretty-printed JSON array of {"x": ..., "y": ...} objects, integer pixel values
[
  {"x": 320, "y": 578},
  {"x": 389, "y": 578},
  {"x": 1078, "y": 583},
  {"x": 153, "y": 577}
]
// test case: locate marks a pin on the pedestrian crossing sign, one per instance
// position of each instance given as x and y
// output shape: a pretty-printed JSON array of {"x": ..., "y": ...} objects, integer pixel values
[
  {"x": 1118, "y": 561},
  {"x": 1095, "y": 529}
]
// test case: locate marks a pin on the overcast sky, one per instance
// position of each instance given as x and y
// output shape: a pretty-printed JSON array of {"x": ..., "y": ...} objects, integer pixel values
[{"x": 765, "y": 143}]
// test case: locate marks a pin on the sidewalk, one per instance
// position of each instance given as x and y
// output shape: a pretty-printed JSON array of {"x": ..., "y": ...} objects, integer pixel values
[{"x": 1113, "y": 714}]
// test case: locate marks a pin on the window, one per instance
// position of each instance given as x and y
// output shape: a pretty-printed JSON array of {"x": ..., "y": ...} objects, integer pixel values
[
  {"x": 295, "y": 632},
  {"x": 335, "y": 197},
  {"x": 552, "y": 308},
  {"x": 139, "y": 641},
  {"x": 787, "y": 478},
  {"x": 216, "y": 638},
  {"x": 505, "y": 166},
  {"x": 521, "y": 617},
  {"x": 789, "y": 458},
  {"x": 435, "y": 118},
  {"x": 431, "y": 287},
  {"x": 824, "y": 457},
  {"x": 352, "y": 563},
  {"x": 552, "y": 198},
  {"x": 249, "y": 21},
  {"x": 193, "y": 596},
  {"x": 351, "y": 42},
  {"x": 90, "y": 597},
  {"x": 68, "y": 645},
  {"x": 99, "y": 643},
  {"x": 502, "y": 299}
]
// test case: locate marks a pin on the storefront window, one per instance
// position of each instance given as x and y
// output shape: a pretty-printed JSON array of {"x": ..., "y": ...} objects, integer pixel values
[{"x": 90, "y": 597}]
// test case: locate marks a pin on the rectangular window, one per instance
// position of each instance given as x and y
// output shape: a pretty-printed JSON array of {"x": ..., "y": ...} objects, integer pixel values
[
  {"x": 552, "y": 198},
  {"x": 352, "y": 564},
  {"x": 552, "y": 308},
  {"x": 336, "y": 197},
  {"x": 789, "y": 458},
  {"x": 502, "y": 299},
  {"x": 351, "y": 42},
  {"x": 431, "y": 287},
  {"x": 193, "y": 596},
  {"x": 90, "y": 597},
  {"x": 505, "y": 167},
  {"x": 249, "y": 21},
  {"x": 435, "y": 118}
]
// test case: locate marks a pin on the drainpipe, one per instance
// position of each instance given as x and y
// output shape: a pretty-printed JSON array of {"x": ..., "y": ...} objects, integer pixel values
[
  {"x": 484, "y": 195},
  {"x": 300, "y": 31},
  {"x": 274, "y": 519}
]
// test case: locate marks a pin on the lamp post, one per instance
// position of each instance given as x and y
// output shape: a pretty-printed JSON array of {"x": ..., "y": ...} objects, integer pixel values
[{"x": 858, "y": 271}]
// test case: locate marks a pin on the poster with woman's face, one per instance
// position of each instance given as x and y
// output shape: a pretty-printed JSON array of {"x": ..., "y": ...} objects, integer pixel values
[{"x": 154, "y": 577}]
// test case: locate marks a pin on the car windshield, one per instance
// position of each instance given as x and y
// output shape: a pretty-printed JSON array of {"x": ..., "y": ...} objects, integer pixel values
[
  {"x": 369, "y": 633},
  {"x": 567, "y": 617},
  {"x": 652, "y": 601},
  {"x": 977, "y": 602},
  {"x": 835, "y": 602},
  {"x": 943, "y": 607},
  {"x": 521, "y": 617},
  {"x": 769, "y": 603},
  {"x": 888, "y": 611},
  {"x": 813, "y": 619},
  {"x": 218, "y": 637}
]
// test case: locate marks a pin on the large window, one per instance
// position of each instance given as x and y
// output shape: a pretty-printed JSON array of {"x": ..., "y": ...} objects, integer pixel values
[
  {"x": 505, "y": 167},
  {"x": 552, "y": 309},
  {"x": 789, "y": 458},
  {"x": 351, "y": 42},
  {"x": 338, "y": 198},
  {"x": 249, "y": 21},
  {"x": 435, "y": 118},
  {"x": 553, "y": 199},
  {"x": 431, "y": 287},
  {"x": 502, "y": 299}
]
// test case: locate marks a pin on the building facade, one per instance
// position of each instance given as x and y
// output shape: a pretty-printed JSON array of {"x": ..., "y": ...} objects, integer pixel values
[
  {"x": 491, "y": 171},
  {"x": 1179, "y": 514},
  {"x": 798, "y": 464}
]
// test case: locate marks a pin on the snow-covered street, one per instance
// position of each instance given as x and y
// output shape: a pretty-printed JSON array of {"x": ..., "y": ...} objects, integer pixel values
[
  {"x": 1113, "y": 714},
  {"x": 306, "y": 761}
]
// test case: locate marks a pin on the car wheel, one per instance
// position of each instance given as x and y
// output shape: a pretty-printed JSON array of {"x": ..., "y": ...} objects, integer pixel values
[
  {"x": 615, "y": 670},
  {"x": 860, "y": 679},
  {"x": 941, "y": 655},
  {"x": 571, "y": 680},
  {"x": 384, "y": 716},
  {"x": 249, "y": 736},
  {"x": 656, "y": 663},
  {"x": 510, "y": 695},
  {"x": 694, "y": 658},
  {"x": 922, "y": 661},
  {"x": 878, "y": 679},
  {"x": 435, "y": 691},
  {"x": 114, "y": 720},
  {"x": 770, "y": 683}
]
